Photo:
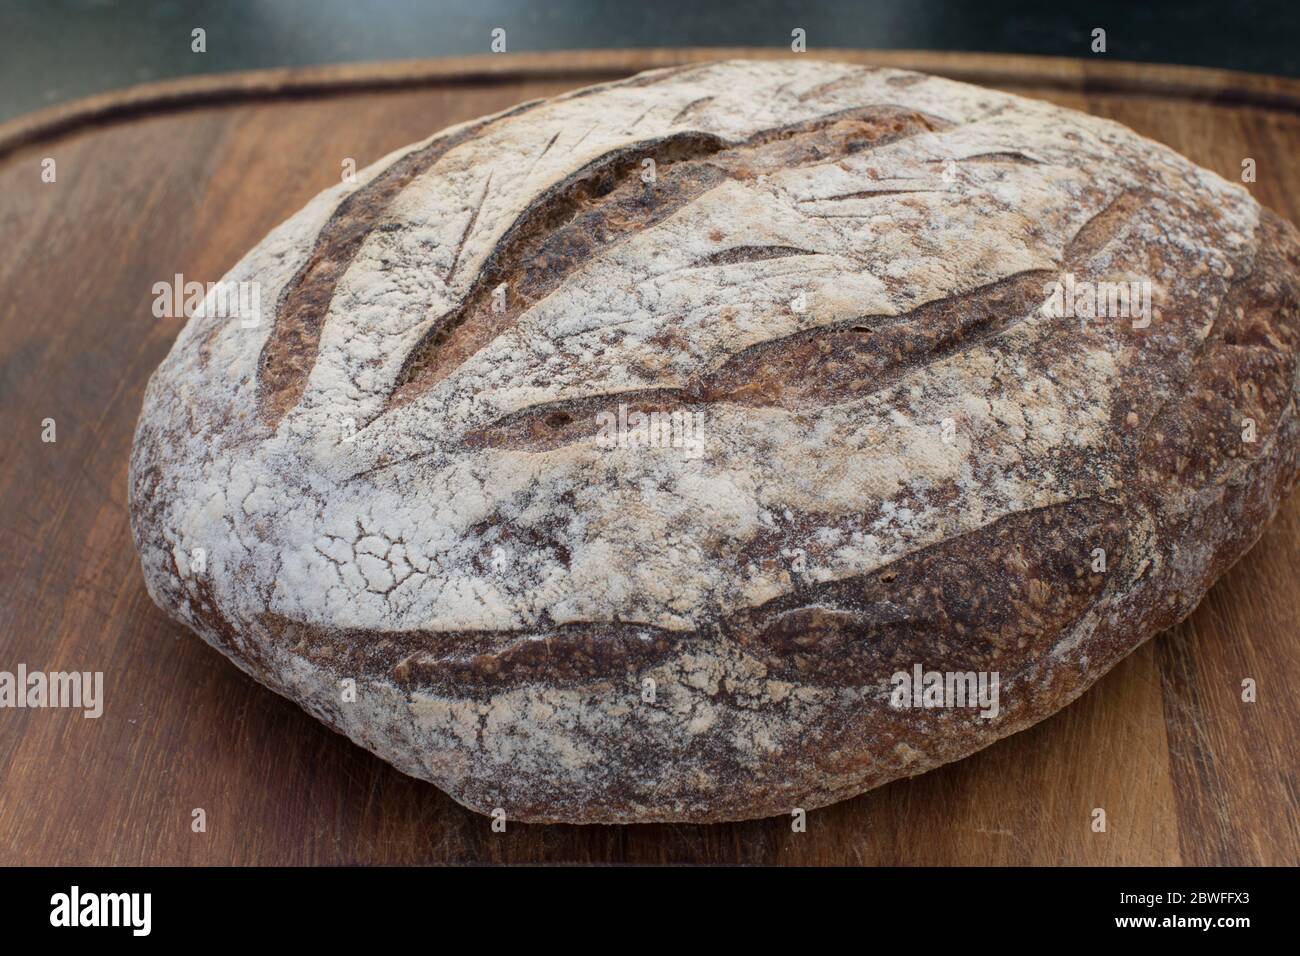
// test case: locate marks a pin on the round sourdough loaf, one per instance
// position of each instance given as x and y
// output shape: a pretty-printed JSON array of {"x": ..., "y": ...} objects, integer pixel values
[{"x": 630, "y": 453}]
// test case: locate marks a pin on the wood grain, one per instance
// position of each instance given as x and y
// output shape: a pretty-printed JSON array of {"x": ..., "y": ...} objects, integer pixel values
[{"x": 184, "y": 178}]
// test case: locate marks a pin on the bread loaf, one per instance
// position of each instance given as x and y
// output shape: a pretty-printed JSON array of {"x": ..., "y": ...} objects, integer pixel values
[{"x": 681, "y": 448}]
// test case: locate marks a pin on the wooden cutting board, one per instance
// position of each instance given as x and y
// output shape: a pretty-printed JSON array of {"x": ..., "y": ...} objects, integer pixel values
[{"x": 184, "y": 177}]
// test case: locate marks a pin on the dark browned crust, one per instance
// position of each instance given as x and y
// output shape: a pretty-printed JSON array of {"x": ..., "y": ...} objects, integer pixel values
[
  {"x": 606, "y": 201},
  {"x": 803, "y": 371},
  {"x": 290, "y": 350}
]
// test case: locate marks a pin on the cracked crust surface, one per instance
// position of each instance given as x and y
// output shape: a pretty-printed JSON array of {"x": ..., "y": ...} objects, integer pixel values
[{"x": 395, "y": 478}]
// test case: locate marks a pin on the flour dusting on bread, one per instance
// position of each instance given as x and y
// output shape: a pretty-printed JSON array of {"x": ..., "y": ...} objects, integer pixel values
[{"x": 837, "y": 276}]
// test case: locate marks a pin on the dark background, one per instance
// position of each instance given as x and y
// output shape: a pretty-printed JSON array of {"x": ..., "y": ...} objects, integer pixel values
[{"x": 56, "y": 50}]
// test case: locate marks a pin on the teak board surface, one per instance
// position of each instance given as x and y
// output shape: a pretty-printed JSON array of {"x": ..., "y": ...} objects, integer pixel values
[{"x": 184, "y": 178}]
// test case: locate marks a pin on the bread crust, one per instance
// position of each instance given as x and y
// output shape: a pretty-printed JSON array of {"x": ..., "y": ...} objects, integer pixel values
[{"x": 398, "y": 479}]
